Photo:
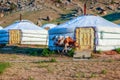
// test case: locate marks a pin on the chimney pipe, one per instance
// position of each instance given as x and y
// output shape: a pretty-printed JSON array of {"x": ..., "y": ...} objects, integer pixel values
[
  {"x": 20, "y": 17},
  {"x": 85, "y": 9}
]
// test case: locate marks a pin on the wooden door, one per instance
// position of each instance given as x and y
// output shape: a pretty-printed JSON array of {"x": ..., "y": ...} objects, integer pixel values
[
  {"x": 85, "y": 38},
  {"x": 14, "y": 37}
]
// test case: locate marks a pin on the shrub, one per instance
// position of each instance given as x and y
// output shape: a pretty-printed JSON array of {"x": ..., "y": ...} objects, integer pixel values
[
  {"x": 53, "y": 60},
  {"x": 33, "y": 53},
  {"x": 46, "y": 52},
  {"x": 99, "y": 51},
  {"x": 3, "y": 66},
  {"x": 71, "y": 52},
  {"x": 117, "y": 50},
  {"x": 104, "y": 71},
  {"x": 92, "y": 75},
  {"x": 58, "y": 1}
]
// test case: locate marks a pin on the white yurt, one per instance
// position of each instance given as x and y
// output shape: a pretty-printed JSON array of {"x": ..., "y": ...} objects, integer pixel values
[
  {"x": 24, "y": 32},
  {"x": 90, "y": 32},
  {"x": 48, "y": 26}
]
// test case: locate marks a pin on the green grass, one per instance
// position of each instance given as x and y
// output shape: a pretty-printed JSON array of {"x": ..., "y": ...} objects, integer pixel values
[
  {"x": 117, "y": 50},
  {"x": 53, "y": 60},
  {"x": 104, "y": 71},
  {"x": 92, "y": 75},
  {"x": 31, "y": 78},
  {"x": 99, "y": 51},
  {"x": 3, "y": 66}
]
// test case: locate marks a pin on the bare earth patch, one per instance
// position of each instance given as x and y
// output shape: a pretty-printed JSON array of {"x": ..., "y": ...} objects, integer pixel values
[
  {"x": 24, "y": 67},
  {"x": 81, "y": 70}
]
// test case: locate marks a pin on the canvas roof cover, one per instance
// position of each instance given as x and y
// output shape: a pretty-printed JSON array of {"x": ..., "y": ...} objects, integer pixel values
[
  {"x": 82, "y": 21},
  {"x": 23, "y": 25},
  {"x": 49, "y": 25}
]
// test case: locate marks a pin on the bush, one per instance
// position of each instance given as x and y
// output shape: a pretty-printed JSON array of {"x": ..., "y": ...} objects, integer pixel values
[
  {"x": 71, "y": 52},
  {"x": 58, "y": 1},
  {"x": 34, "y": 53},
  {"x": 99, "y": 51},
  {"x": 117, "y": 50},
  {"x": 53, "y": 60},
  {"x": 40, "y": 52},
  {"x": 46, "y": 52},
  {"x": 103, "y": 71},
  {"x": 3, "y": 66}
]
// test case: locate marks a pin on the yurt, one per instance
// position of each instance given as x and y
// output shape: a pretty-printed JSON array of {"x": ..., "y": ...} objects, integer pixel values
[
  {"x": 48, "y": 26},
  {"x": 23, "y": 32},
  {"x": 90, "y": 32}
]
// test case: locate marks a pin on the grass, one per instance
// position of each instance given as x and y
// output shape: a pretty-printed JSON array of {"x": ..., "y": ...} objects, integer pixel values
[
  {"x": 99, "y": 51},
  {"x": 104, "y": 71},
  {"x": 117, "y": 50},
  {"x": 31, "y": 78},
  {"x": 4, "y": 66},
  {"x": 50, "y": 69},
  {"x": 14, "y": 56},
  {"x": 43, "y": 65},
  {"x": 47, "y": 61},
  {"x": 53, "y": 60},
  {"x": 78, "y": 75},
  {"x": 92, "y": 75}
]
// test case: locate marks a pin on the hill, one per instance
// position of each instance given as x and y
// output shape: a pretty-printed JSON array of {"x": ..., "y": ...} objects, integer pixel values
[{"x": 57, "y": 11}]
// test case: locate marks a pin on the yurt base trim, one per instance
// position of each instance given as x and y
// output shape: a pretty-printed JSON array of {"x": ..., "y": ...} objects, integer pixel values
[{"x": 106, "y": 48}]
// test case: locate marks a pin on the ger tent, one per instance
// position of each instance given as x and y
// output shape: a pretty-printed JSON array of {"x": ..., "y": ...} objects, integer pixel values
[
  {"x": 23, "y": 32},
  {"x": 48, "y": 26},
  {"x": 90, "y": 32}
]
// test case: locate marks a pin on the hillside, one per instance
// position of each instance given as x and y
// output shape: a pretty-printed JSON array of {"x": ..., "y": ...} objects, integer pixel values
[{"x": 57, "y": 11}]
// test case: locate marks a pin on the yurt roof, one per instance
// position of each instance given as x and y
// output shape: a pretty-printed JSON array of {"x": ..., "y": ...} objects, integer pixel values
[
  {"x": 49, "y": 25},
  {"x": 83, "y": 21},
  {"x": 23, "y": 25}
]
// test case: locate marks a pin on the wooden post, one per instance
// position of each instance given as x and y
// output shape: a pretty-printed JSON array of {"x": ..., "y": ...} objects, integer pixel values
[
  {"x": 85, "y": 9},
  {"x": 20, "y": 17}
]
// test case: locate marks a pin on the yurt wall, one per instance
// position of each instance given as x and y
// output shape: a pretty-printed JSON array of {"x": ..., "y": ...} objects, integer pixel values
[
  {"x": 106, "y": 33},
  {"x": 24, "y": 32}
]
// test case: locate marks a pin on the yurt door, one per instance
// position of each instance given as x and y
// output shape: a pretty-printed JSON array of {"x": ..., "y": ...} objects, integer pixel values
[
  {"x": 85, "y": 38},
  {"x": 14, "y": 37}
]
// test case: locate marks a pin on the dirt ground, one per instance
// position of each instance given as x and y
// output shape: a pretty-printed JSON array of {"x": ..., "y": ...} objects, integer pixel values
[{"x": 24, "y": 67}]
